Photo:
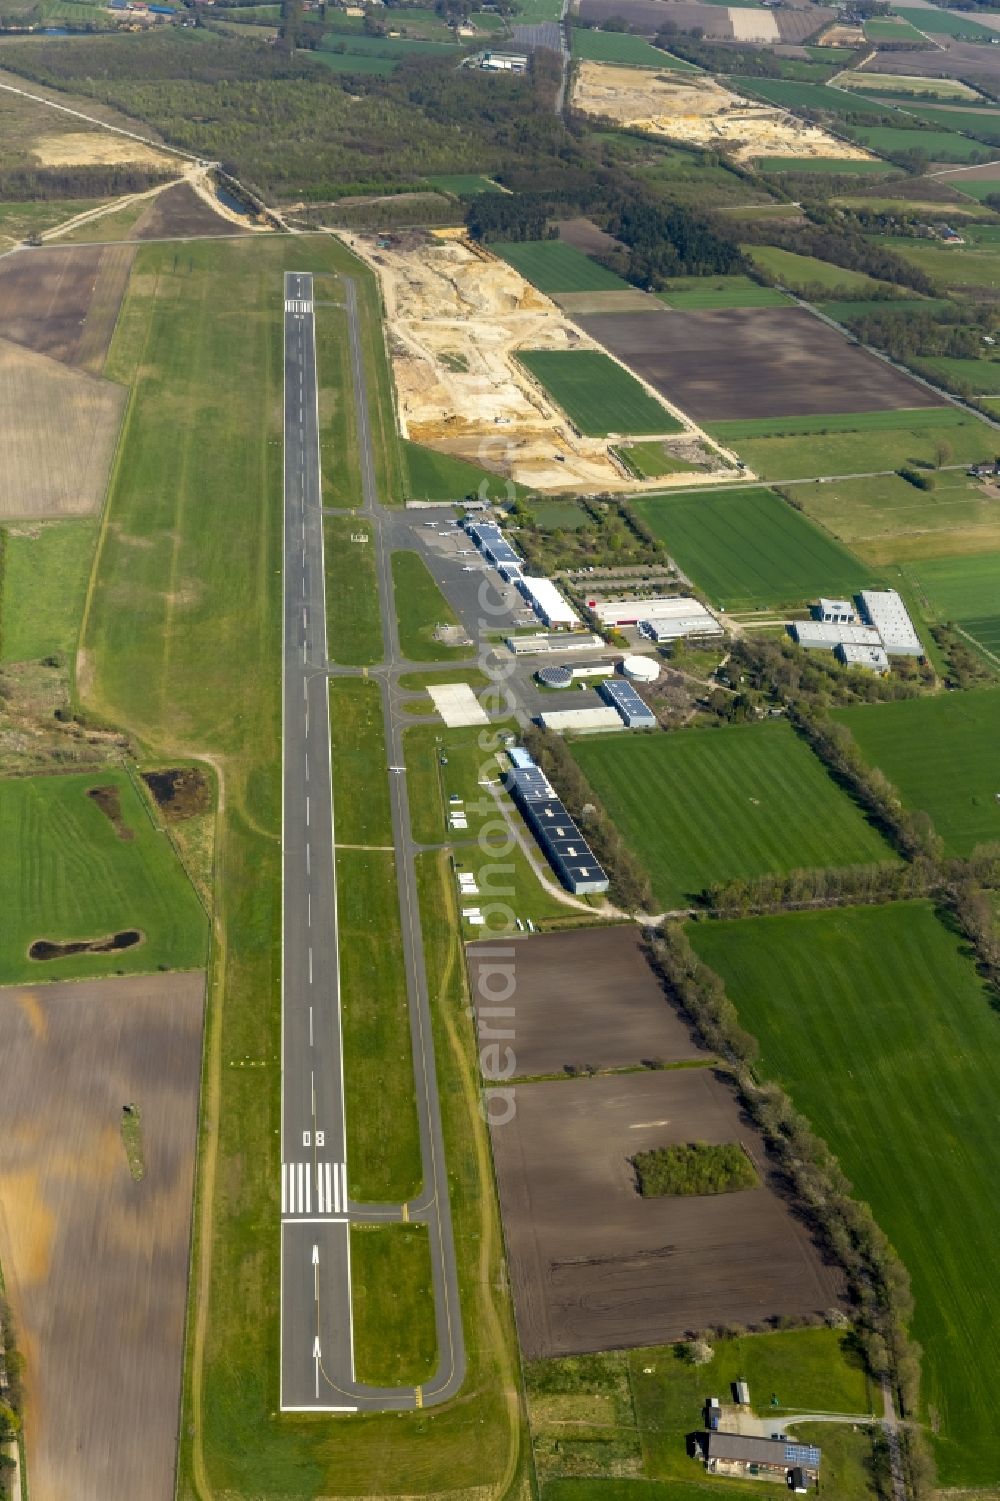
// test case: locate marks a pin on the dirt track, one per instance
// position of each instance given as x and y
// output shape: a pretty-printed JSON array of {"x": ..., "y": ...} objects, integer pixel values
[
  {"x": 586, "y": 997},
  {"x": 596, "y": 1267},
  {"x": 95, "y": 1262}
]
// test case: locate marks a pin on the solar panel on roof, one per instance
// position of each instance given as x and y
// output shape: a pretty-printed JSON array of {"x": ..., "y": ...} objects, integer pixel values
[{"x": 802, "y": 1454}]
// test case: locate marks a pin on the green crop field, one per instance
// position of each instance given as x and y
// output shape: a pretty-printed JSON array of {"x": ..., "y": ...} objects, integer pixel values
[
  {"x": 43, "y": 580},
  {"x": 892, "y": 83},
  {"x": 555, "y": 266},
  {"x": 838, "y": 422},
  {"x": 935, "y": 22},
  {"x": 889, "y": 30},
  {"x": 980, "y": 377},
  {"x": 429, "y": 475},
  {"x": 900, "y": 307},
  {"x": 705, "y": 806},
  {"x": 420, "y": 608},
  {"x": 623, "y": 47},
  {"x": 983, "y": 124},
  {"x": 885, "y": 1037},
  {"x": 396, "y": 47},
  {"x": 965, "y": 590},
  {"x": 464, "y": 184},
  {"x": 791, "y": 95},
  {"x": 827, "y": 166},
  {"x": 353, "y": 622},
  {"x": 914, "y": 437},
  {"x": 394, "y": 1331},
  {"x": 974, "y": 187},
  {"x": 69, "y": 876},
  {"x": 890, "y": 521},
  {"x": 698, "y": 293},
  {"x": 942, "y": 755},
  {"x": 798, "y": 271},
  {"x": 936, "y": 145},
  {"x": 355, "y": 62},
  {"x": 597, "y": 395},
  {"x": 749, "y": 547}
]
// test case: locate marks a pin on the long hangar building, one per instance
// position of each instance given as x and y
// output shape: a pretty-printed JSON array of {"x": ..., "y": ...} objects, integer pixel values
[{"x": 565, "y": 848}]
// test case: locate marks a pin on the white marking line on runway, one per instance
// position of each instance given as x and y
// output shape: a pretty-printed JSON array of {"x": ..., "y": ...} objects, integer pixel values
[
  {"x": 307, "y": 810},
  {"x": 310, "y": 1026},
  {"x": 343, "y": 1179},
  {"x": 284, "y": 1188},
  {"x": 312, "y": 1091},
  {"x": 309, "y": 909},
  {"x": 300, "y": 1174},
  {"x": 308, "y": 860},
  {"x": 315, "y": 1219},
  {"x": 307, "y": 766},
  {"x": 328, "y": 1173},
  {"x": 310, "y": 966}
]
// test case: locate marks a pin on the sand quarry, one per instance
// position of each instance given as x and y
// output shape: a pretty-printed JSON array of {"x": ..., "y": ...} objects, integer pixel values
[
  {"x": 455, "y": 315},
  {"x": 700, "y": 112}
]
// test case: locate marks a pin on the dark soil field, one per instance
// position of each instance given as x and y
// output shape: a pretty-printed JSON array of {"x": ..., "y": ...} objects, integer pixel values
[
  {"x": 754, "y": 362},
  {"x": 797, "y": 25},
  {"x": 968, "y": 61},
  {"x": 596, "y": 1267},
  {"x": 64, "y": 302},
  {"x": 95, "y": 1261},
  {"x": 179, "y": 211},
  {"x": 584, "y": 997},
  {"x": 583, "y": 234}
]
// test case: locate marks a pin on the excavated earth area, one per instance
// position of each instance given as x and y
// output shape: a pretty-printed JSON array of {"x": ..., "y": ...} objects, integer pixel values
[
  {"x": 454, "y": 317},
  {"x": 701, "y": 113}
]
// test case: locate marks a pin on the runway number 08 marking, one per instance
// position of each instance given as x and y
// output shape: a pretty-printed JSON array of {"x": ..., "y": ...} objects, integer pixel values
[{"x": 307, "y": 1138}]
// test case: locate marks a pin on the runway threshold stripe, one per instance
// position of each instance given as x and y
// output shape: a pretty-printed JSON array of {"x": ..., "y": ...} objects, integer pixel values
[
  {"x": 300, "y": 1177},
  {"x": 343, "y": 1178},
  {"x": 284, "y": 1188},
  {"x": 320, "y": 1195},
  {"x": 308, "y": 1178},
  {"x": 329, "y": 1197}
]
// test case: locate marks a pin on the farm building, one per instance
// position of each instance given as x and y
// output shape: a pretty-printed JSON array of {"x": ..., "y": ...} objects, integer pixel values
[
  {"x": 675, "y": 615},
  {"x": 540, "y": 643},
  {"x": 495, "y": 549},
  {"x": 818, "y": 635},
  {"x": 837, "y": 611},
  {"x": 872, "y": 657},
  {"x": 623, "y": 697},
  {"x": 744, "y": 1455},
  {"x": 561, "y": 720},
  {"x": 547, "y": 603},
  {"x": 561, "y": 841},
  {"x": 885, "y": 611}
]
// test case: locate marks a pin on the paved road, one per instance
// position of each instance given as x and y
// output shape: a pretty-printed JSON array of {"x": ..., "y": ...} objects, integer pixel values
[{"x": 317, "y": 1355}]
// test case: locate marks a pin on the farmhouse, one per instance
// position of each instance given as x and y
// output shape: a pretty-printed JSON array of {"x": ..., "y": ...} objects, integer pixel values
[
  {"x": 762, "y": 1458},
  {"x": 561, "y": 841}
]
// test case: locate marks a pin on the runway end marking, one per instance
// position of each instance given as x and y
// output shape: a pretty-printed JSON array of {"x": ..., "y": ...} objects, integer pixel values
[{"x": 418, "y": 1396}]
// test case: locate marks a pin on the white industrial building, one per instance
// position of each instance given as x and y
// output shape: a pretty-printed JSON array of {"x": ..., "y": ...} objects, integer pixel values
[
  {"x": 603, "y": 718},
  {"x": 540, "y": 643},
  {"x": 504, "y": 62},
  {"x": 819, "y": 635},
  {"x": 872, "y": 657},
  {"x": 547, "y": 602},
  {"x": 836, "y": 611},
  {"x": 885, "y": 611},
  {"x": 641, "y": 669},
  {"x": 671, "y": 616}
]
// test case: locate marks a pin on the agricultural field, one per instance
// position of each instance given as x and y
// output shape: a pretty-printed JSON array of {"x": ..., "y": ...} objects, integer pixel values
[
  {"x": 753, "y": 362},
  {"x": 936, "y": 145},
  {"x": 96, "y": 1232},
  {"x": 700, "y": 807},
  {"x": 20, "y": 219},
  {"x": 857, "y": 443},
  {"x": 920, "y": 1086},
  {"x": 790, "y": 95},
  {"x": 82, "y": 868},
  {"x": 889, "y": 520},
  {"x": 868, "y": 82},
  {"x": 355, "y": 62},
  {"x": 951, "y": 265},
  {"x": 430, "y": 475},
  {"x": 963, "y": 590},
  {"x": 641, "y": 1268},
  {"x": 695, "y": 293},
  {"x": 353, "y": 621},
  {"x": 555, "y": 266},
  {"x": 939, "y": 22},
  {"x": 597, "y": 395},
  {"x": 978, "y": 377},
  {"x": 619, "y": 1015},
  {"x": 826, "y": 166},
  {"x": 748, "y": 548},
  {"x": 941, "y": 755},
  {"x": 893, "y": 31},
  {"x": 801, "y": 271},
  {"x": 623, "y": 47},
  {"x": 43, "y": 578},
  {"x": 421, "y": 609}
]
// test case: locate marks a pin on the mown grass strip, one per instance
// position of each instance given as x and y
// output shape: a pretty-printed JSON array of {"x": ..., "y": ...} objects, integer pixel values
[
  {"x": 360, "y": 779},
  {"x": 420, "y": 609},
  {"x": 395, "y": 1343},
  {"x": 353, "y": 618}
]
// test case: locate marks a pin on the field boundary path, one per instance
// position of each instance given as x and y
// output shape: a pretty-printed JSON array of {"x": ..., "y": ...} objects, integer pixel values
[{"x": 317, "y": 1337}]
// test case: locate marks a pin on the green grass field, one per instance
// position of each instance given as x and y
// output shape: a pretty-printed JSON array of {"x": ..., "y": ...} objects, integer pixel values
[
  {"x": 870, "y": 82},
  {"x": 964, "y": 590},
  {"x": 885, "y": 1037},
  {"x": 700, "y": 807},
  {"x": 650, "y": 460},
  {"x": 355, "y": 62},
  {"x": 839, "y": 422},
  {"x": 69, "y": 877},
  {"x": 623, "y": 47},
  {"x": 555, "y": 266},
  {"x": 890, "y": 521},
  {"x": 951, "y": 265},
  {"x": 799, "y": 271},
  {"x": 793, "y": 95},
  {"x": 395, "y": 1342},
  {"x": 938, "y": 22},
  {"x": 353, "y": 622},
  {"x": 420, "y": 608},
  {"x": 43, "y": 581},
  {"x": 980, "y": 377},
  {"x": 901, "y": 307},
  {"x": 360, "y": 781},
  {"x": 983, "y": 124},
  {"x": 936, "y": 145},
  {"x": 432, "y": 784},
  {"x": 429, "y": 475},
  {"x": 698, "y": 293},
  {"x": 748, "y": 547},
  {"x": 824, "y": 166},
  {"x": 598, "y": 396},
  {"x": 897, "y": 31},
  {"x": 942, "y": 755},
  {"x": 20, "y": 219},
  {"x": 832, "y": 450},
  {"x": 973, "y": 187},
  {"x": 395, "y": 47},
  {"x": 464, "y": 184}
]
